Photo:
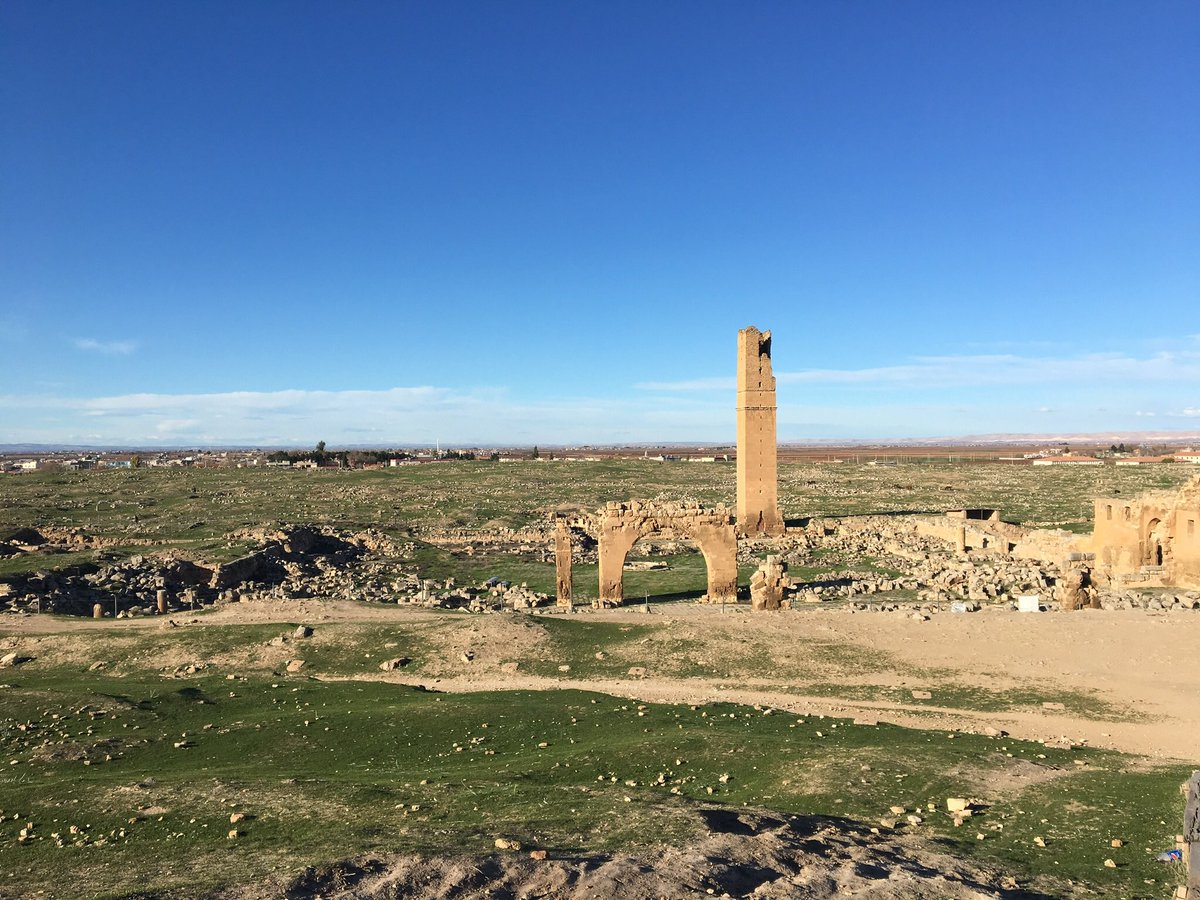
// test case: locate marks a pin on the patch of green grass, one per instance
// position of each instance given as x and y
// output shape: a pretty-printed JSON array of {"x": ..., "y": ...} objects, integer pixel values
[
  {"x": 28, "y": 563},
  {"x": 959, "y": 696},
  {"x": 332, "y": 650},
  {"x": 609, "y": 650},
  {"x": 1078, "y": 818},
  {"x": 472, "y": 569},
  {"x": 171, "y": 504},
  {"x": 326, "y": 770},
  {"x": 576, "y": 643},
  {"x": 685, "y": 578}
]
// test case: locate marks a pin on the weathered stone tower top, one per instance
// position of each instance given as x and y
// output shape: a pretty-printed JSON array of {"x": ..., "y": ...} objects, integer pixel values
[
  {"x": 757, "y": 469},
  {"x": 754, "y": 362}
]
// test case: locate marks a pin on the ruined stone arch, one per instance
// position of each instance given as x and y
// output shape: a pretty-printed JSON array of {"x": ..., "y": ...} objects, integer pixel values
[{"x": 619, "y": 526}]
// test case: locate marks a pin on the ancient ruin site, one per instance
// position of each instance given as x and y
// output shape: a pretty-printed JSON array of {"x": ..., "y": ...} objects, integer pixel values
[
  {"x": 625, "y": 450},
  {"x": 558, "y": 677}
]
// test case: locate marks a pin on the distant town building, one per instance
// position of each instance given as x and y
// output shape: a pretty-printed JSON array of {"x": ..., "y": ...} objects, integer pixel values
[
  {"x": 1068, "y": 461},
  {"x": 1144, "y": 460}
]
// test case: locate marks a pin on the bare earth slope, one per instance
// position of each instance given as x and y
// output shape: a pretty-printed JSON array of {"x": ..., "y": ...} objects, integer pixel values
[{"x": 751, "y": 854}]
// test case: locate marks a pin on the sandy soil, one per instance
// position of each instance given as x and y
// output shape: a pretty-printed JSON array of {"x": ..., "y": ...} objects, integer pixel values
[{"x": 1137, "y": 660}]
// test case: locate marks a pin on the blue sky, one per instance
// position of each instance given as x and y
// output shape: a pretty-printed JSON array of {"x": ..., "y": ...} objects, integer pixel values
[{"x": 487, "y": 222}]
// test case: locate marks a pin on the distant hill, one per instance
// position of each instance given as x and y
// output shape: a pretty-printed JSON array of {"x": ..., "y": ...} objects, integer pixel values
[{"x": 1097, "y": 438}]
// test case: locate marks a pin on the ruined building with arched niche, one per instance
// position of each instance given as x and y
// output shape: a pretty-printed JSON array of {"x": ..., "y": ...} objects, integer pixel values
[{"x": 1153, "y": 538}]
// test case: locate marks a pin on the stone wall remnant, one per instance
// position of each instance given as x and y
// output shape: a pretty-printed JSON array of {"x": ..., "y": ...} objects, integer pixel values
[
  {"x": 1074, "y": 589},
  {"x": 767, "y": 583},
  {"x": 1153, "y": 538}
]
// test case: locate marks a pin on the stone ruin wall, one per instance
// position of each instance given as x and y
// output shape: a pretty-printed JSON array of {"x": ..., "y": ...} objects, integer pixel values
[
  {"x": 1152, "y": 539},
  {"x": 1035, "y": 544}
]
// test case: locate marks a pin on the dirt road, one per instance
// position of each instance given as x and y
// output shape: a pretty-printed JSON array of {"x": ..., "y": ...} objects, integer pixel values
[{"x": 1146, "y": 664}]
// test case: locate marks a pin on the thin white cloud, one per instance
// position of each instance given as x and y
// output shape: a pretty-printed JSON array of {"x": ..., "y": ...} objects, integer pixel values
[
  {"x": 177, "y": 426},
  {"x": 992, "y": 370},
  {"x": 399, "y": 416},
  {"x": 111, "y": 348}
]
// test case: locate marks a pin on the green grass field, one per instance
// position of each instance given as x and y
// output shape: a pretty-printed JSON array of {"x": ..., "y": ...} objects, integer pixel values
[
  {"x": 148, "y": 763},
  {"x": 148, "y": 772},
  {"x": 129, "y": 773},
  {"x": 199, "y": 507}
]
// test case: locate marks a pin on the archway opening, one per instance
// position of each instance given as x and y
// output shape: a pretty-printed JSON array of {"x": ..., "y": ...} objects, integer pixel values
[
  {"x": 1153, "y": 553},
  {"x": 662, "y": 567},
  {"x": 621, "y": 526}
]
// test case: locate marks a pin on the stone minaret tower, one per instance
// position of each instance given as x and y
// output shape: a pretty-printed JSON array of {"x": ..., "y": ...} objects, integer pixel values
[{"x": 757, "y": 469}]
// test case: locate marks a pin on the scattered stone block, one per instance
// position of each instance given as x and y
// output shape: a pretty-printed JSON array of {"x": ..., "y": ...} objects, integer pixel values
[{"x": 766, "y": 585}]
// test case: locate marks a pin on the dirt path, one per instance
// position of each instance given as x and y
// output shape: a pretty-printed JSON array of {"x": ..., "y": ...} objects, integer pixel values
[
  {"x": 1168, "y": 740},
  {"x": 1134, "y": 660}
]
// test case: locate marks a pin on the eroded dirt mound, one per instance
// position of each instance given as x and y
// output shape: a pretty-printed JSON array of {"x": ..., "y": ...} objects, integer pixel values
[{"x": 749, "y": 854}]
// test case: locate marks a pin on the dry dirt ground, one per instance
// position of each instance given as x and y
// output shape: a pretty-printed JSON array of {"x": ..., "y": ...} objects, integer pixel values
[
  {"x": 1134, "y": 660},
  {"x": 746, "y": 854},
  {"x": 1138, "y": 661}
]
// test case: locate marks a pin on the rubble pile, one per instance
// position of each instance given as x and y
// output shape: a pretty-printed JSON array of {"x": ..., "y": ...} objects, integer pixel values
[
  {"x": 493, "y": 595},
  {"x": 290, "y": 562},
  {"x": 934, "y": 575}
]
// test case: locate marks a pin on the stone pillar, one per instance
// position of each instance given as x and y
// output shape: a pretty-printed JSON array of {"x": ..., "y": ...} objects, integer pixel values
[
  {"x": 562, "y": 561},
  {"x": 612, "y": 571},
  {"x": 161, "y": 597},
  {"x": 960, "y": 539},
  {"x": 98, "y": 611},
  {"x": 757, "y": 463},
  {"x": 718, "y": 543},
  {"x": 766, "y": 585}
]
